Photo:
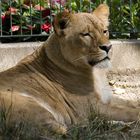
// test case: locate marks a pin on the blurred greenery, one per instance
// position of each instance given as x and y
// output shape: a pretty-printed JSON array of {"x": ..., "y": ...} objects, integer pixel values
[
  {"x": 124, "y": 15},
  {"x": 125, "y": 19},
  {"x": 25, "y": 18},
  {"x": 33, "y": 17}
]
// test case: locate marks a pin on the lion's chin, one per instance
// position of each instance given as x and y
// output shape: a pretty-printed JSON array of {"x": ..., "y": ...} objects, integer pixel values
[{"x": 104, "y": 63}]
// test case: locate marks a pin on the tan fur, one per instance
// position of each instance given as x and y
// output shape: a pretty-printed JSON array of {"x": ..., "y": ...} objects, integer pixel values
[{"x": 58, "y": 79}]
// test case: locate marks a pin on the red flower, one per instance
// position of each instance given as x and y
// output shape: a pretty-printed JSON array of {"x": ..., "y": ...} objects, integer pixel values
[
  {"x": 15, "y": 28},
  {"x": 13, "y": 10},
  {"x": 46, "y": 27},
  {"x": 30, "y": 27},
  {"x": 39, "y": 8},
  {"x": 3, "y": 17},
  {"x": 62, "y": 2}
]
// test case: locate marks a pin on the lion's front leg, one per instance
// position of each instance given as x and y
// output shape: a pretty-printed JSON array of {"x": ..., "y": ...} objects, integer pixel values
[
  {"x": 117, "y": 107},
  {"x": 56, "y": 127},
  {"x": 101, "y": 88}
]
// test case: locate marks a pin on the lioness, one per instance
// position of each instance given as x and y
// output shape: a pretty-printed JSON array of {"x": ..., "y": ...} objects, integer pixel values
[{"x": 66, "y": 75}]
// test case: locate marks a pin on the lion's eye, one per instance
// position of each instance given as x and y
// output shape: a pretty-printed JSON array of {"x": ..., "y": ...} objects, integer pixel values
[
  {"x": 85, "y": 34},
  {"x": 105, "y": 31}
]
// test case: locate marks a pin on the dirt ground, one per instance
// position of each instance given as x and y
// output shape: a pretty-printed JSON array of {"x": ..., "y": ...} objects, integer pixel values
[{"x": 125, "y": 83}]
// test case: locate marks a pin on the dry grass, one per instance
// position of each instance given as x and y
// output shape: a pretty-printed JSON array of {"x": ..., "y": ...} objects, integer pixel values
[
  {"x": 96, "y": 128},
  {"x": 19, "y": 128},
  {"x": 99, "y": 128}
]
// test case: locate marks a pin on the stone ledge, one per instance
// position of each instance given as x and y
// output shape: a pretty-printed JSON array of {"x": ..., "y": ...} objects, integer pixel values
[
  {"x": 124, "y": 51},
  {"x": 36, "y": 44},
  {"x": 20, "y": 45}
]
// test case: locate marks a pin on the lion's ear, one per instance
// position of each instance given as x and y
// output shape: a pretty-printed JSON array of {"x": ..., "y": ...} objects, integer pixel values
[
  {"x": 61, "y": 21},
  {"x": 102, "y": 12}
]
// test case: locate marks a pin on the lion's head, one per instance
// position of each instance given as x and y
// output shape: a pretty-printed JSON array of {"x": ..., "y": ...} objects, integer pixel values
[{"x": 84, "y": 37}]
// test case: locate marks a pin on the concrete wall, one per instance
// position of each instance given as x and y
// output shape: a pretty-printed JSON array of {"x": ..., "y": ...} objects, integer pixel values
[
  {"x": 12, "y": 53},
  {"x": 125, "y": 54}
]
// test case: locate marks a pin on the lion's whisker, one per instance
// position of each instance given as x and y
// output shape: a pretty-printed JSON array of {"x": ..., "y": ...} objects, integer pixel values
[
  {"x": 79, "y": 58},
  {"x": 82, "y": 57}
]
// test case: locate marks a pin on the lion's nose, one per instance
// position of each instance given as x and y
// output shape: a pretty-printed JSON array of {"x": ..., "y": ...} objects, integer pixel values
[{"x": 105, "y": 47}]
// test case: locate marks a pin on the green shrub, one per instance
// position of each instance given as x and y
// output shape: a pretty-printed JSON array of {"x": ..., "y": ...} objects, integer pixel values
[{"x": 22, "y": 17}]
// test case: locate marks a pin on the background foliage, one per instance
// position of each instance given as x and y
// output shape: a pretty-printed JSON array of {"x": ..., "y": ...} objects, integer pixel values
[
  {"x": 124, "y": 15},
  {"x": 34, "y": 17}
]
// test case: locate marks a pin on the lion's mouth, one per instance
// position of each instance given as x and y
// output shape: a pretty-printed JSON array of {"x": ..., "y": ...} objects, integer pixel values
[{"x": 93, "y": 63}]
